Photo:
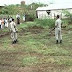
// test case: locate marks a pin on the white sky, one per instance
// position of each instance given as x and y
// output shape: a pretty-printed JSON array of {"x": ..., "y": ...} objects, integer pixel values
[{"x": 7, "y": 2}]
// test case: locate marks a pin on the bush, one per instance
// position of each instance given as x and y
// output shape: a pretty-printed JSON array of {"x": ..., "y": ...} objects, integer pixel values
[
  {"x": 68, "y": 16},
  {"x": 45, "y": 22},
  {"x": 30, "y": 17},
  {"x": 65, "y": 21}
]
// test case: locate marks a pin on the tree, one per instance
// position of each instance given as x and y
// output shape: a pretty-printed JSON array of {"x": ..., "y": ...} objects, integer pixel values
[
  {"x": 68, "y": 15},
  {"x": 11, "y": 9}
]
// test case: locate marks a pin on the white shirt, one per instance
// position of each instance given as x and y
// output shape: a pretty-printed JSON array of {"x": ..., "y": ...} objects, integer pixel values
[
  {"x": 17, "y": 16},
  {"x": 58, "y": 23},
  {"x": 0, "y": 22},
  {"x": 24, "y": 17},
  {"x": 10, "y": 19},
  {"x": 12, "y": 24}
]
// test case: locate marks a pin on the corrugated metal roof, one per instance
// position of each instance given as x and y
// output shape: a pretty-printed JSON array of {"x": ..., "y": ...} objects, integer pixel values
[
  {"x": 56, "y": 7},
  {"x": 41, "y": 8}
]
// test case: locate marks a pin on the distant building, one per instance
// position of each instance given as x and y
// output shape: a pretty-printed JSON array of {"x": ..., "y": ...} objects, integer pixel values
[
  {"x": 22, "y": 2},
  {"x": 1, "y": 6},
  {"x": 52, "y": 10}
]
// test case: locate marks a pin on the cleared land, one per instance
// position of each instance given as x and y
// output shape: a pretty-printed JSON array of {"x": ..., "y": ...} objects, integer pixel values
[{"x": 36, "y": 51}]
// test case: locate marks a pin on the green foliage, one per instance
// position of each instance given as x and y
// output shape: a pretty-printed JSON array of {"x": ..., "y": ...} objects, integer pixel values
[
  {"x": 22, "y": 9},
  {"x": 35, "y": 5},
  {"x": 30, "y": 10},
  {"x": 11, "y": 9},
  {"x": 30, "y": 17},
  {"x": 4, "y": 11},
  {"x": 68, "y": 16},
  {"x": 45, "y": 22},
  {"x": 67, "y": 13},
  {"x": 65, "y": 22}
]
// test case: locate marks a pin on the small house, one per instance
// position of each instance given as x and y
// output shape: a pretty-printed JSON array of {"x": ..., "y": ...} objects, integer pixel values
[{"x": 53, "y": 10}]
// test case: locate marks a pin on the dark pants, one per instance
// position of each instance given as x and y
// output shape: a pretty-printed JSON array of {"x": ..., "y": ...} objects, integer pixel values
[
  {"x": 0, "y": 26},
  {"x": 18, "y": 21}
]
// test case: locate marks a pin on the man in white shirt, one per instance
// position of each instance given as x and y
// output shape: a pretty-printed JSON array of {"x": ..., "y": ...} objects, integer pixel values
[
  {"x": 24, "y": 18},
  {"x": 0, "y": 24},
  {"x": 18, "y": 18},
  {"x": 13, "y": 32},
  {"x": 6, "y": 23},
  {"x": 58, "y": 34}
]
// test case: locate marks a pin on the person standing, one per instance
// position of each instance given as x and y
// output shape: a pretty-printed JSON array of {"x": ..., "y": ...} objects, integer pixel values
[
  {"x": 9, "y": 21},
  {"x": 24, "y": 18},
  {"x": 0, "y": 23},
  {"x": 13, "y": 32},
  {"x": 18, "y": 18},
  {"x": 6, "y": 22},
  {"x": 58, "y": 34}
]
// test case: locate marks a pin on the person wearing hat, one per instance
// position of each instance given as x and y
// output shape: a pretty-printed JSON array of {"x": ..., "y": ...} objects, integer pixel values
[{"x": 58, "y": 35}]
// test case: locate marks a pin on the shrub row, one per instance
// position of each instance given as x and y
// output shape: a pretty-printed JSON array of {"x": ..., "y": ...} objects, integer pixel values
[{"x": 45, "y": 22}]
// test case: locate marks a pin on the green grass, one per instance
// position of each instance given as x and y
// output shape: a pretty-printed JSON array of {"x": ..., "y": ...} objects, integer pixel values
[
  {"x": 26, "y": 24},
  {"x": 29, "y": 60},
  {"x": 36, "y": 50}
]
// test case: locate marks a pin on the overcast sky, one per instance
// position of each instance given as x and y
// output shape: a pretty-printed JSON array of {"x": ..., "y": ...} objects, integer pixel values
[{"x": 7, "y": 2}]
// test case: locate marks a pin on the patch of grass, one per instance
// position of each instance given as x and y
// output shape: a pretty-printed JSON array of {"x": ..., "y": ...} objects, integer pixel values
[
  {"x": 5, "y": 30},
  {"x": 67, "y": 61},
  {"x": 54, "y": 51},
  {"x": 60, "y": 60},
  {"x": 45, "y": 22},
  {"x": 35, "y": 49},
  {"x": 26, "y": 24},
  {"x": 28, "y": 60}
]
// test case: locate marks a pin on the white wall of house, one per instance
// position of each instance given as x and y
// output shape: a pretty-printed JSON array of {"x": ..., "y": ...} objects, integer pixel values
[
  {"x": 56, "y": 12},
  {"x": 42, "y": 14},
  {"x": 56, "y": 9},
  {"x": 52, "y": 15}
]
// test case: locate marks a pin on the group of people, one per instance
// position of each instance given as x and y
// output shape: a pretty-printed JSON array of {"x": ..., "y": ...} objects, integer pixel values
[
  {"x": 13, "y": 28},
  {"x": 11, "y": 25},
  {"x": 3, "y": 23},
  {"x": 9, "y": 22}
]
